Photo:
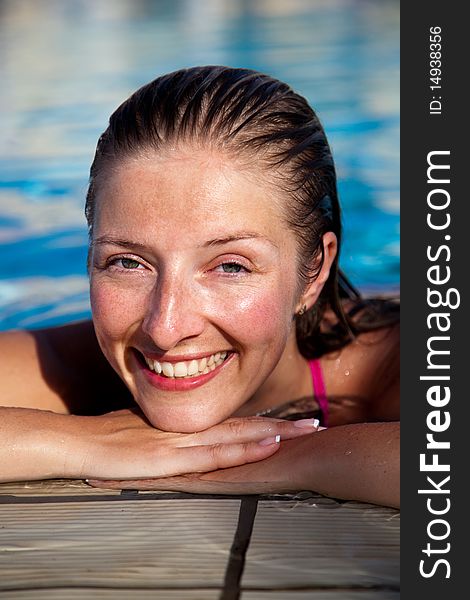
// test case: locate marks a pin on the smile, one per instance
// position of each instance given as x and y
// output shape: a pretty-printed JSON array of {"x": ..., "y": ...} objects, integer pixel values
[{"x": 186, "y": 369}]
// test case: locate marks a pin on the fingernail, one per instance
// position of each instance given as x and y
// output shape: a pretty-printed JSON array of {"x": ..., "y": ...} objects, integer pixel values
[
  {"x": 270, "y": 440},
  {"x": 303, "y": 423}
]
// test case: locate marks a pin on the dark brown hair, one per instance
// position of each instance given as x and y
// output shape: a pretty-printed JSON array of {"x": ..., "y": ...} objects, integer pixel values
[{"x": 252, "y": 116}]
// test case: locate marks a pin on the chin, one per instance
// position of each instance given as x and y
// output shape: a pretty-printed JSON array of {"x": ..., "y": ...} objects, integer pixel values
[{"x": 184, "y": 420}]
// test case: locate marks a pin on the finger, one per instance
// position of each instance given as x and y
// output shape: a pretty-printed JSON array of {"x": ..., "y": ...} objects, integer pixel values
[
  {"x": 222, "y": 456},
  {"x": 200, "y": 459},
  {"x": 253, "y": 429}
]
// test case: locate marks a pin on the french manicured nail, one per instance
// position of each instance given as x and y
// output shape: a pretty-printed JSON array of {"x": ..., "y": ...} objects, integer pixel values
[
  {"x": 304, "y": 423},
  {"x": 270, "y": 440}
]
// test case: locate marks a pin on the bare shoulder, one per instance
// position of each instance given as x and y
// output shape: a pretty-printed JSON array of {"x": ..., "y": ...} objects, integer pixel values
[
  {"x": 58, "y": 368},
  {"x": 367, "y": 373},
  {"x": 21, "y": 349}
]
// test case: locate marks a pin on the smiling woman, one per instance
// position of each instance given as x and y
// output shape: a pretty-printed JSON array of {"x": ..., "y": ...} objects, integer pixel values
[
  {"x": 216, "y": 297},
  {"x": 208, "y": 267}
]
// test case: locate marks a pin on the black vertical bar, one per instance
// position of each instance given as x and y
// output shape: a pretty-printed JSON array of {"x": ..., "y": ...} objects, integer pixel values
[
  {"x": 434, "y": 242},
  {"x": 241, "y": 541}
]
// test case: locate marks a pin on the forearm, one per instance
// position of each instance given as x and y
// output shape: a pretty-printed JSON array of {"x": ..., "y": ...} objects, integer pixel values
[
  {"x": 39, "y": 444},
  {"x": 353, "y": 462},
  {"x": 35, "y": 444}
]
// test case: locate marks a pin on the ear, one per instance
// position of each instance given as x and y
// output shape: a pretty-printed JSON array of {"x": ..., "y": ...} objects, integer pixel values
[{"x": 313, "y": 290}]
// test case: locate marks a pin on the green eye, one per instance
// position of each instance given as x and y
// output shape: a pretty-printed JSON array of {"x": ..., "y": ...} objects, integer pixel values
[
  {"x": 231, "y": 267},
  {"x": 129, "y": 263}
]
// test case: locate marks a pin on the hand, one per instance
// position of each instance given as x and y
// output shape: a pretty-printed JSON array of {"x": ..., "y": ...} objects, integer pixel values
[
  {"x": 277, "y": 473},
  {"x": 126, "y": 446},
  {"x": 353, "y": 462}
]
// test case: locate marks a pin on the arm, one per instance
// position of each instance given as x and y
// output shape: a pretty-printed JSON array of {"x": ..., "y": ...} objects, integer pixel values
[
  {"x": 39, "y": 444},
  {"x": 352, "y": 462}
]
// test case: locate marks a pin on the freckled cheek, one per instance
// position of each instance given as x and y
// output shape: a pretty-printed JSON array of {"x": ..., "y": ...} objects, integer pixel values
[
  {"x": 261, "y": 317},
  {"x": 114, "y": 309}
]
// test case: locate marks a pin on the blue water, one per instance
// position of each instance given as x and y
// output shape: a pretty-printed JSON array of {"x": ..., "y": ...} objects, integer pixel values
[{"x": 67, "y": 65}]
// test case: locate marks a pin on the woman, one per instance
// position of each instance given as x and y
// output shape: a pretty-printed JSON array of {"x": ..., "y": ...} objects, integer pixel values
[{"x": 215, "y": 292}]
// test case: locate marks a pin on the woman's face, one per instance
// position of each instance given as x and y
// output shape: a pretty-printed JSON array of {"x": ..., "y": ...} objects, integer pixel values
[{"x": 193, "y": 284}]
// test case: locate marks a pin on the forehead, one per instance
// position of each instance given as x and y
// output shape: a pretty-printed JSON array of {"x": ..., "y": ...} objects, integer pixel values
[{"x": 189, "y": 194}]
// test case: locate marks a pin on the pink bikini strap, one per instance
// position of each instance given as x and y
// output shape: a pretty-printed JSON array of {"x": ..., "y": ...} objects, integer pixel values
[{"x": 319, "y": 388}]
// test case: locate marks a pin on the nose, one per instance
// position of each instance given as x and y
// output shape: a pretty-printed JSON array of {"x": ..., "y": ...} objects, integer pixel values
[{"x": 174, "y": 312}]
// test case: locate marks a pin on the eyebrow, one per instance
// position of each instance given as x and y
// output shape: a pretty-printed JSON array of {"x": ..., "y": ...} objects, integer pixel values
[
  {"x": 244, "y": 235},
  {"x": 105, "y": 239}
]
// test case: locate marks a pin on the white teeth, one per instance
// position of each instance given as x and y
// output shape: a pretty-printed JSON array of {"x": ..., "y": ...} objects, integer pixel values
[
  {"x": 187, "y": 368},
  {"x": 193, "y": 367},
  {"x": 167, "y": 369},
  {"x": 181, "y": 370}
]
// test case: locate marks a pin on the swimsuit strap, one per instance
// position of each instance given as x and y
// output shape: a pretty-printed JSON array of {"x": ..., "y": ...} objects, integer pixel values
[{"x": 319, "y": 388}]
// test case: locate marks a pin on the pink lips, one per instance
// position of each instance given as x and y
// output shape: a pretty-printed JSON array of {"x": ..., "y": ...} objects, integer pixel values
[{"x": 180, "y": 384}]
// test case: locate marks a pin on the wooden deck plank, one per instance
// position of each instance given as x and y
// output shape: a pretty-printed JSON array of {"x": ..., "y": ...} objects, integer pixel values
[
  {"x": 111, "y": 594},
  {"x": 63, "y": 539},
  {"x": 344, "y": 594},
  {"x": 60, "y": 487},
  {"x": 313, "y": 544},
  {"x": 125, "y": 544},
  {"x": 52, "y": 487}
]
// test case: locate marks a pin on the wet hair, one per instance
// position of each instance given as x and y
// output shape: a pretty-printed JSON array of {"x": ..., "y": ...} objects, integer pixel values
[{"x": 260, "y": 120}]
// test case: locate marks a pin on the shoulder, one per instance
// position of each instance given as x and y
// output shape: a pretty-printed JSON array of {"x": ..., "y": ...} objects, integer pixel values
[
  {"x": 66, "y": 371},
  {"x": 367, "y": 373},
  {"x": 92, "y": 385}
]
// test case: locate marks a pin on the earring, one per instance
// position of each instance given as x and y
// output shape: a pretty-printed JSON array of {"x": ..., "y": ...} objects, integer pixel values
[{"x": 302, "y": 310}]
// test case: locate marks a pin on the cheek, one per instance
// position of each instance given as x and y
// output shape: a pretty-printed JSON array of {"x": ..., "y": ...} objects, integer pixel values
[
  {"x": 261, "y": 317},
  {"x": 114, "y": 309}
]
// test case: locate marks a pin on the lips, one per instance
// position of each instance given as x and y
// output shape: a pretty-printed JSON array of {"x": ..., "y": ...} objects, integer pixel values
[
  {"x": 189, "y": 368},
  {"x": 178, "y": 381}
]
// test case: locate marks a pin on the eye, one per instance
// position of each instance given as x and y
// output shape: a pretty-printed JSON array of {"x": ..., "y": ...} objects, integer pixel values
[
  {"x": 231, "y": 267},
  {"x": 126, "y": 263}
]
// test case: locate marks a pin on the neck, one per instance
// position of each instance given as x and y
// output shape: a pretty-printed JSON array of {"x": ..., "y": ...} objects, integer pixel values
[{"x": 289, "y": 380}]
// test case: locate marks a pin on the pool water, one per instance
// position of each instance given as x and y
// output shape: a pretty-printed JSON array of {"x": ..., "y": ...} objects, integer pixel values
[{"x": 67, "y": 65}]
